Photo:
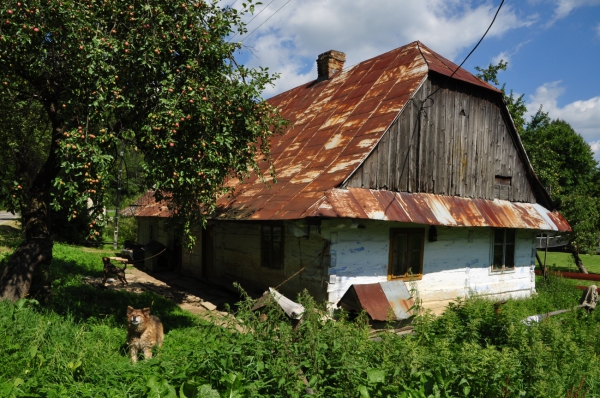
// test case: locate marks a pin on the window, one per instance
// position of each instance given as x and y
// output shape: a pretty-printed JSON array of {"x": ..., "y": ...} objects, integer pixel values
[
  {"x": 406, "y": 252},
  {"x": 272, "y": 246},
  {"x": 502, "y": 187},
  {"x": 504, "y": 250}
]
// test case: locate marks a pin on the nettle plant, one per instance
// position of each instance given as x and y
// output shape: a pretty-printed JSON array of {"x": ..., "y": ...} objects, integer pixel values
[{"x": 158, "y": 76}]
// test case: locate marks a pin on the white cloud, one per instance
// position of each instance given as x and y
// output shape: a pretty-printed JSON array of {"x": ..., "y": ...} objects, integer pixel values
[
  {"x": 595, "y": 145},
  {"x": 503, "y": 56},
  {"x": 564, "y": 7},
  {"x": 598, "y": 30},
  {"x": 506, "y": 55},
  {"x": 582, "y": 115},
  {"x": 290, "y": 42}
]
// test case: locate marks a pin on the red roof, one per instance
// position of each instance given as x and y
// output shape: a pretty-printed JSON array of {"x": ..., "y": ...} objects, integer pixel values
[
  {"x": 336, "y": 124},
  {"x": 430, "y": 209}
]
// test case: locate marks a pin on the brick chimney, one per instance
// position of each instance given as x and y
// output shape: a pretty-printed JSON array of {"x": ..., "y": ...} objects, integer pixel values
[{"x": 329, "y": 63}]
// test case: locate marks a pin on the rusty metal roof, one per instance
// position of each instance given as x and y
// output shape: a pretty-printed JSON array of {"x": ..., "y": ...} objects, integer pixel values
[
  {"x": 336, "y": 124},
  {"x": 382, "y": 300},
  {"x": 146, "y": 206},
  {"x": 429, "y": 209}
]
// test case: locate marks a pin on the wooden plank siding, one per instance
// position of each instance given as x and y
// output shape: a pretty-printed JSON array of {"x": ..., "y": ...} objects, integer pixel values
[{"x": 456, "y": 145}]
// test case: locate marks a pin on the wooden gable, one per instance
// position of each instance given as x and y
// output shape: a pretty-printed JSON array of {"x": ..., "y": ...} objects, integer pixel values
[{"x": 463, "y": 144}]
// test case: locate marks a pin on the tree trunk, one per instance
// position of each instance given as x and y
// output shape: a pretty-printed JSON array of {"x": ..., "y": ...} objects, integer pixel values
[
  {"x": 16, "y": 279},
  {"x": 578, "y": 261},
  {"x": 37, "y": 248}
]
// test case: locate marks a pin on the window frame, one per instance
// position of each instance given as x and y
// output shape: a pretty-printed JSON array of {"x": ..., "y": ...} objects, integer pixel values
[
  {"x": 503, "y": 268},
  {"x": 408, "y": 231},
  {"x": 270, "y": 226},
  {"x": 502, "y": 187}
]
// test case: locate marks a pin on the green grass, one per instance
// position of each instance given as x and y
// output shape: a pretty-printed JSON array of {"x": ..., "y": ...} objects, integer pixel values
[
  {"x": 560, "y": 261},
  {"x": 73, "y": 344},
  {"x": 10, "y": 237}
]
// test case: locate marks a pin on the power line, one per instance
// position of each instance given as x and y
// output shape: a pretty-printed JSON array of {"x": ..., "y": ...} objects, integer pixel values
[
  {"x": 418, "y": 125},
  {"x": 467, "y": 57},
  {"x": 249, "y": 22},
  {"x": 480, "y": 40},
  {"x": 266, "y": 20}
]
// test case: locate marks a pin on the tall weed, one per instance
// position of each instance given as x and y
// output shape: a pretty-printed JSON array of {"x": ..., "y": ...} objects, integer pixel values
[{"x": 74, "y": 344}]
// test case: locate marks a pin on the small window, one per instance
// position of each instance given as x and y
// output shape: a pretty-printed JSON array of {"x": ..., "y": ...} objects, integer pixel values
[
  {"x": 272, "y": 246},
  {"x": 406, "y": 252},
  {"x": 502, "y": 188},
  {"x": 503, "y": 257}
]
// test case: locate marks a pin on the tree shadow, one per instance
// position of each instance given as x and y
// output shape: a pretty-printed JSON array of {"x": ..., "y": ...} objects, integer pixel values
[
  {"x": 70, "y": 296},
  {"x": 10, "y": 236},
  {"x": 85, "y": 303},
  {"x": 60, "y": 268}
]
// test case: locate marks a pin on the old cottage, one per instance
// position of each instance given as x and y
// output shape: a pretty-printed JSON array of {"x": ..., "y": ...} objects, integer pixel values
[{"x": 398, "y": 169}]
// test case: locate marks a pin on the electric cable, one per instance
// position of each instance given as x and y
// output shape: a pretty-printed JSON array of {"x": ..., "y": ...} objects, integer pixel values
[
  {"x": 417, "y": 127},
  {"x": 467, "y": 57},
  {"x": 266, "y": 20},
  {"x": 250, "y": 21}
]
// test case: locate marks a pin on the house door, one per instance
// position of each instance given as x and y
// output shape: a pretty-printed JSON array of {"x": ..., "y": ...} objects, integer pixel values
[{"x": 207, "y": 252}]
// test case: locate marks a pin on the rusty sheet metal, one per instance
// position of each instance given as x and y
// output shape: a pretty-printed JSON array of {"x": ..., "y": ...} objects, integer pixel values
[
  {"x": 382, "y": 300},
  {"x": 441, "y": 65},
  {"x": 429, "y": 209},
  {"x": 146, "y": 206},
  {"x": 337, "y": 123},
  {"x": 368, "y": 297},
  {"x": 399, "y": 298}
]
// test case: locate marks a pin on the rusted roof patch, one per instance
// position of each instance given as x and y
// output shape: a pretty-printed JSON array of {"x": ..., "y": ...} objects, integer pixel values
[
  {"x": 429, "y": 209},
  {"x": 336, "y": 124},
  {"x": 382, "y": 301}
]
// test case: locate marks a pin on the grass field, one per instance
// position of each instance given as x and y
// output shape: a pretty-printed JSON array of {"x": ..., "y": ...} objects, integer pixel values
[
  {"x": 559, "y": 261},
  {"x": 72, "y": 343}
]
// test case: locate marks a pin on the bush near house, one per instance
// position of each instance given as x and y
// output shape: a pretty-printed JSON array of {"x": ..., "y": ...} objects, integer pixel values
[{"x": 73, "y": 343}]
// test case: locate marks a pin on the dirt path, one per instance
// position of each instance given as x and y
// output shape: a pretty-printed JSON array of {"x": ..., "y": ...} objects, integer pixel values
[{"x": 198, "y": 297}]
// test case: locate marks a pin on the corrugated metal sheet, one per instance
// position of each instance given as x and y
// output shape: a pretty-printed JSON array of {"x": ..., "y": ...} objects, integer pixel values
[
  {"x": 441, "y": 65},
  {"x": 382, "y": 301},
  {"x": 337, "y": 123},
  {"x": 429, "y": 209},
  {"x": 146, "y": 206}
]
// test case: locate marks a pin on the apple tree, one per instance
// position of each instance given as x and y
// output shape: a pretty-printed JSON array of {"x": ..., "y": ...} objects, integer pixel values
[{"x": 157, "y": 76}]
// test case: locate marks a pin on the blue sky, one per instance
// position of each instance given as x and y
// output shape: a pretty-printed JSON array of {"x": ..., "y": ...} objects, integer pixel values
[{"x": 552, "y": 46}]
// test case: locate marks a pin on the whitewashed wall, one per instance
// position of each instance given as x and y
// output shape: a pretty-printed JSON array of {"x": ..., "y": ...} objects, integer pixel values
[{"x": 456, "y": 265}]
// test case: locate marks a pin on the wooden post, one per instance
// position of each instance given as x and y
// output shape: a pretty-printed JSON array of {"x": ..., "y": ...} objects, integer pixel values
[
  {"x": 119, "y": 178},
  {"x": 545, "y": 258}
]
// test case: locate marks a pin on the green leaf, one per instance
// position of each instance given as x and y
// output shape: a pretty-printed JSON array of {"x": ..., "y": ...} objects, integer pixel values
[
  {"x": 206, "y": 391},
  {"x": 364, "y": 392},
  {"x": 375, "y": 376}
]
